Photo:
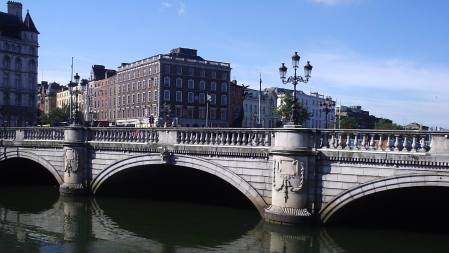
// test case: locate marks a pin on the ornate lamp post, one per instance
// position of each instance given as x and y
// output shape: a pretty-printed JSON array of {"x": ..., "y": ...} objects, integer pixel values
[
  {"x": 295, "y": 79},
  {"x": 327, "y": 105},
  {"x": 76, "y": 88}
]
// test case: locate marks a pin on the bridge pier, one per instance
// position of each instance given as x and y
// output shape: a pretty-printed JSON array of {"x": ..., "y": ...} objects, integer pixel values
[
  {"x": 75, "y": 153},
  {"x": 293, "y": 163}
]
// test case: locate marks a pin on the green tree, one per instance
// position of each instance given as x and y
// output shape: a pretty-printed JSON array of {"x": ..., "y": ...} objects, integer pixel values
[
  {"x": 59, "y": 115},
  {"x": 285, "y": 109},
  {"x": 383, "y": 124},
  {"x": 42, "y": 118},
  {"x": 347, "y": 122}
]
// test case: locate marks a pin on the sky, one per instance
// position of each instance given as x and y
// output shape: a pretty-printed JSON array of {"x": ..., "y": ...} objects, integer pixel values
[{"x": 390, "y": 57}]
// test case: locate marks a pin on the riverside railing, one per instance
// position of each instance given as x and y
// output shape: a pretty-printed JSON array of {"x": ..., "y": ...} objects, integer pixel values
[
  {"x": 132, "y": 135},
  {"x": 377, "y": 140},
  {"x": 225, "y": 136},
  {"x": 44, "y": 133}
]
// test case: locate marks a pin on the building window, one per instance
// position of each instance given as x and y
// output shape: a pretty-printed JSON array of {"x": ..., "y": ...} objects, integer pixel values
[
  {"x": 213, "y": 86},
  {"x": 224, "y": 87},
  {"x": 149, "y": 96},
  {"x": 167, "y": 81},
  {"x": 213, "y": 75},
  {"x": 166, "y": 95},
  {"x": 179, "y": 70},
  {"x": 138, "y": 98},
  {"x": 202, "y": 98},
  {"x": 178, "y": 111},
  {"x": 202, "y": 85},
  {"x": 191, "y": 84},
  {"x": 138, "y": 86},
  {"x": 144, "y": 97},
  {"x": 178, "y": 96},
  {"x": 203, "y": 73},
  {"x": 224, "y": 100},
  {"x": 144, "y": 84},
  {"x": 224, "y": 115},
  {"x": 167, "y": 69},
  {"x": 213, "y": 113},
  {"x": 201, "y": 113},
  {"x": 191, "y": 71},
  {"x": 213, "y": 99},
  {"x": 190, "y": 97},
  {"x": 132, "y": 99},
  {"x": 224, "y": 75},
  {"x": 179, "y": 83},
  {"x": 155, "y": 95}
]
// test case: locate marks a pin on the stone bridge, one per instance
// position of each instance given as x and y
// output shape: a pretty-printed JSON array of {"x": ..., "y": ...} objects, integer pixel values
[{"x": 291, "y": 175}]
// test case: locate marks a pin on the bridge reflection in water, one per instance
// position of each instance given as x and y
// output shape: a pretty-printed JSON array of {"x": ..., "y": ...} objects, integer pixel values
[{"x": 67, "y": 224}]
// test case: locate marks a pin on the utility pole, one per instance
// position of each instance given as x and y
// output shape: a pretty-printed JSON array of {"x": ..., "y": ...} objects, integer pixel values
[
  {"x": 260, "y": 98},
  {"x": 70, "y": 92},
  {"x": 208, "y": 98}
]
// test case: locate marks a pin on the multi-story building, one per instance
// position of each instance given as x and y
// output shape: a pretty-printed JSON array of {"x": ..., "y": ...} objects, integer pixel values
[
  {"x": 63, "y": 98},
  {"x": 362, "y": 118},
  {"x": 312, "y": 102},
  {"x": 99, "y": 98},
  {"x": 173, "y": 89},
  {"x": 236, "y": 98},
  {"x": 47, "y": 96},
  {"x": 18, "y": 67},
  {"x": 251, "y": 109}
]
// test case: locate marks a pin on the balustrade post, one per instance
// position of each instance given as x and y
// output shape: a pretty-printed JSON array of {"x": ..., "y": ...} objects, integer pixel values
[
  {"x": 293, "y": 174},
  {"x": 75, "y": 163},
  {"x": 396, "y": 143}
]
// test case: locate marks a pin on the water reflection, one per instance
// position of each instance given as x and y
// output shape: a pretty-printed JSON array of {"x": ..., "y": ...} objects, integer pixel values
[{"x": 38, "y": 220}]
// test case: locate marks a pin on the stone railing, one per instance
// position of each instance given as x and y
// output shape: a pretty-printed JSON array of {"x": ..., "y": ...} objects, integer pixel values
[
  {"x": 7, "y": 133},
  {"x": 44, "y": 134},
  {"x": 377, "y": 140},
  {"x": 225, "y": 137},
  {"x": 125, "y": 135}
]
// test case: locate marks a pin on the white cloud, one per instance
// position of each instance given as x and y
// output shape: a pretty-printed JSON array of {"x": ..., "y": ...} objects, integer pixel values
[
  {"x": 181, "y": 9},
  {"x": 332, "y": 2},
  {"x": 402, "y": 90},
  {"x": 167, "y": 5}
]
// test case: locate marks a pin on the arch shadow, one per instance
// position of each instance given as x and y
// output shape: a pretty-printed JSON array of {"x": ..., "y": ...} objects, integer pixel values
[
  {"x": 188, "y": 162},
  {"x": 35, "y": 158},
  {"x": 381, "y": 185}
]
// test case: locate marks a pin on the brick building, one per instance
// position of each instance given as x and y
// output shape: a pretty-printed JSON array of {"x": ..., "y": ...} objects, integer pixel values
[{"x": 173, "y": 89}]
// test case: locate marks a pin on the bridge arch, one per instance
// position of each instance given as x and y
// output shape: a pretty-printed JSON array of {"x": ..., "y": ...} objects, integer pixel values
[
  {"x": 35, "y": 158},
  {"x": 381, "y": 185},
  {"x": 185, "y": 161}
]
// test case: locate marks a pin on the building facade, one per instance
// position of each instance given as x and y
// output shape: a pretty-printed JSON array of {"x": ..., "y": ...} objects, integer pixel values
[
  {"x": 172, "y": 89},
  {"x": 18, "y": 67},
  {"x": 312, "y": 102},
  {"x": 251, "y": 109}
]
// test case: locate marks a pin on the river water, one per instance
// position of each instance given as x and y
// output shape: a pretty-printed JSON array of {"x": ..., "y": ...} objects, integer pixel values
[{"x": 37, "y": 219}]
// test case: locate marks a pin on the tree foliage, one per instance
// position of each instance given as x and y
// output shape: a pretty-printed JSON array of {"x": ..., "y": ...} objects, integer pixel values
[
  {"x": 347, "y": 122},
  {"x": 285, "y": 109},
  {"x": 383, "y": 124},
  {"x": 56, "y": 116}
]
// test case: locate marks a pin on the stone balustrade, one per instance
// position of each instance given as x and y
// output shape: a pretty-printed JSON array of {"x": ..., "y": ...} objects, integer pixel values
[
  {"x": 43, "y": 133},
  {"x": 8, "y": 133},
  {"x": 225, "y": 137},
  {"x": 377, "y": 140},
  {"x": 125, "y": 135}
]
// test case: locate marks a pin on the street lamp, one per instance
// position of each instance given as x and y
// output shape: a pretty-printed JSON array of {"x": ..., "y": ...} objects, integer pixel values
[
  {"x": 76, "y": 88},
  {"x": 327, "y": 105},
  {"x": 295, "y": 79}
]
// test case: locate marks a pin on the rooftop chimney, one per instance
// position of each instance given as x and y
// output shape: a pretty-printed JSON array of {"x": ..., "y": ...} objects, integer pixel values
[{"x": 15, "y": 8}]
